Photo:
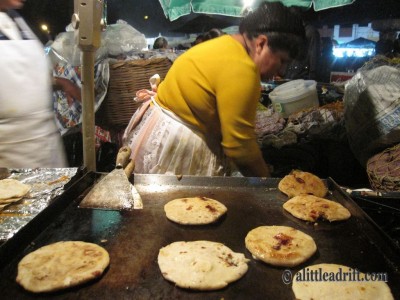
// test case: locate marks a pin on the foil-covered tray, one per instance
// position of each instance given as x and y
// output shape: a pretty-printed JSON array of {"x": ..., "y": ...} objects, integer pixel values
[{"x": 46, "y": 184}]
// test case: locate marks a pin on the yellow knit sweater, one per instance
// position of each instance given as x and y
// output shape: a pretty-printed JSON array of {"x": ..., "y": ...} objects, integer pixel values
[{"x": 215, "y": 87}]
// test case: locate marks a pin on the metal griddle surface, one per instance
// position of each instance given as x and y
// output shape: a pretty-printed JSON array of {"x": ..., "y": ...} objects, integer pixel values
[{"x": 133, "y": 239}]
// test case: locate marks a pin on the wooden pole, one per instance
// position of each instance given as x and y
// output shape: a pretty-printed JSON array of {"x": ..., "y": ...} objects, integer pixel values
[
  {"x": 87, "y": 22},
  {"x": 88, "y": 124}
]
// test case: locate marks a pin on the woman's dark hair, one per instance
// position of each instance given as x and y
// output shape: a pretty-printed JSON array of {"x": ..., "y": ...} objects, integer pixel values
[
  {"x": 282, "y": 25},
  {"x": 160, "y": 43},
  {"x": 213, "y": 33}
]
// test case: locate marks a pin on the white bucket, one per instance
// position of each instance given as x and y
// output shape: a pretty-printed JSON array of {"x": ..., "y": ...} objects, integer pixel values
[{"x": 293, "y": 96}]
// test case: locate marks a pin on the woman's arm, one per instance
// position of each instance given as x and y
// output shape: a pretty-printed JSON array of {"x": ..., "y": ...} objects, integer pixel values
[
  {"x": 254, "y": 166},
  {"x": 238, "y": 94},
  {"x": 71, "y": 90}
]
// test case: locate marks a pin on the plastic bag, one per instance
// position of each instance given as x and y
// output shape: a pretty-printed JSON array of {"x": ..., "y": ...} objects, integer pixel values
[
  {"x": 121, "y": 38},
  {"x": 372, "y": 111},
  {"x": 64, "y": 48},
  {"x": 117, "y": 40},
  {"x": 69, "y": 115}
]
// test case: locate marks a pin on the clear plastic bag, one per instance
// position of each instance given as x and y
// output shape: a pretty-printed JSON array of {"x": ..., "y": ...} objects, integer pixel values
[
  {"x": 121, "y": 38},
  {"x": 372, "y": 111}
]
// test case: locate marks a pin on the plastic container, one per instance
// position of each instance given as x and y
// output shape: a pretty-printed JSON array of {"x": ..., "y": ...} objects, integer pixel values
[{"x": 293, "y": 96}]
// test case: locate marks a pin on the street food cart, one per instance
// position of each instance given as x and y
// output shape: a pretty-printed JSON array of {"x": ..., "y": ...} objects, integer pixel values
[{"x": 51, "y": 212}]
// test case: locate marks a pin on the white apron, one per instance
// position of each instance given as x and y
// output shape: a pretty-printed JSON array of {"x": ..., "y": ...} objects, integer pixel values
[
  {"x": 162, "y": 143},
  {"x": 28, "y": 134}
]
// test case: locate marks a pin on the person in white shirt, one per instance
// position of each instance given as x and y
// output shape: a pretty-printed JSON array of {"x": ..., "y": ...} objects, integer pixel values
[{"x": 29, "y": 137}]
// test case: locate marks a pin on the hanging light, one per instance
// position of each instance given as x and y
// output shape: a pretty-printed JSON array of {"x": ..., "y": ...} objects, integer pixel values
[{"x": 44, "y": 27}]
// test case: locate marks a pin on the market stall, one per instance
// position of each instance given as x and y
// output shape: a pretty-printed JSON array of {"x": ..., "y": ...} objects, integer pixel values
[
  {"x": 87, "y": 22},
  {"x": 52, "y": 210}
]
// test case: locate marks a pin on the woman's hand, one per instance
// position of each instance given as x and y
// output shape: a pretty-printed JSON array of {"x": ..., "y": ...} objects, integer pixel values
[
  {"x": 254, "y": 167},
  {"x": 71, "y": 90}
]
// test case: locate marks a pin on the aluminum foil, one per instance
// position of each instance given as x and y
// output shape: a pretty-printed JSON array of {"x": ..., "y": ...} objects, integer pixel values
[{"x": 45, "y": 184}]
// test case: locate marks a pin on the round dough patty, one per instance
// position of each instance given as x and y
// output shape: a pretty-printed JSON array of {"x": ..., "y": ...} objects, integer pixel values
[
  {"x": 280, "y": 245},
  {"x": 300, "y": 183},
  {"x": 61, "y": 265},
  {"x": 312, "y": 208},
  {"x": 11, "y": 188},
  {"x": 344, "y": 290},
  {"x": 201, "y": 265},
  {"x": 194, "y": 210}
]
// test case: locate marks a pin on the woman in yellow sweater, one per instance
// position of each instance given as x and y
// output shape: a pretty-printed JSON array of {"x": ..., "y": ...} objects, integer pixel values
[{"x": 201, "y": 122}]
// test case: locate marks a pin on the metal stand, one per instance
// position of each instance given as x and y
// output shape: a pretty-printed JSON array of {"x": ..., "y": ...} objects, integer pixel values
[{"x": 87, "y": 22}]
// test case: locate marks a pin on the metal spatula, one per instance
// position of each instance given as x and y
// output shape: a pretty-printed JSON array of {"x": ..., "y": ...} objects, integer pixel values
[{"x": 114, "y": 191}]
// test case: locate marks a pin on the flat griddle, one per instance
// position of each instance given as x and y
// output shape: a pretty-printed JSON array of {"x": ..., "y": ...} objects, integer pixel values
[{"x": 133, "y": 239}]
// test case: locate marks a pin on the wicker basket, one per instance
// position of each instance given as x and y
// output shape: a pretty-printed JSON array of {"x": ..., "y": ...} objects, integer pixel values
[
  {"x": 383, "y": 170},
  {"x": 126, "y": 78}
]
